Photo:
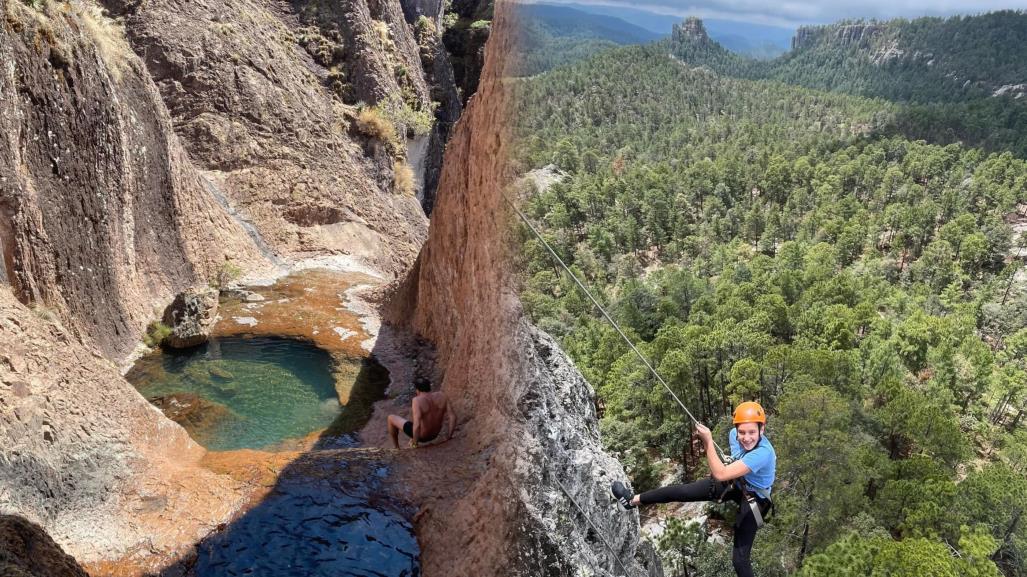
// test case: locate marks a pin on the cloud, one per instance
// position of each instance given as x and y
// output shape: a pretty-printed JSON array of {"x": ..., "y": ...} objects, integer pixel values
[{"x": 791, "y": 13}]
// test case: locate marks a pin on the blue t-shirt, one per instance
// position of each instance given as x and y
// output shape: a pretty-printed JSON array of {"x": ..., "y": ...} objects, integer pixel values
[{"x": 761, "y": 460}]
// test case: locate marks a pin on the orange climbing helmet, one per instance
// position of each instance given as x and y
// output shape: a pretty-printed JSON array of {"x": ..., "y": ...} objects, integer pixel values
[{"x": 750, "y": 412}]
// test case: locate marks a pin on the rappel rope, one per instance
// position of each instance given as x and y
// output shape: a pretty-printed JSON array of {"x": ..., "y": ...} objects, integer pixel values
[
  {"x": 594, "y": 528},
  {"x": 612, "y": 322}
]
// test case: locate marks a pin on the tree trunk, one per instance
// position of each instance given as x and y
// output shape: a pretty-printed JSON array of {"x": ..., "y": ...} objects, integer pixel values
[
  {"x": 1016, "y": 419},
  {"x": 1008, "y": 535},
  {"x": 804, "y": 545}
]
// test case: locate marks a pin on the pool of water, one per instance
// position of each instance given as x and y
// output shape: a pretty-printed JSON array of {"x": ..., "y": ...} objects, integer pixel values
[
  {"x": 315, "y": 529},
  {"x": 238, "y": 392}
]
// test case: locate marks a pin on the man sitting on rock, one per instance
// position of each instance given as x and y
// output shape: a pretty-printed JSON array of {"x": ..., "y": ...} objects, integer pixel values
[{"x": 427, "y": 411}]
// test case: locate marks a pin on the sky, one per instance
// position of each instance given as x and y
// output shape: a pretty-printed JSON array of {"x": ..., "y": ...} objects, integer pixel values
[{"x": 793, "y": 13}]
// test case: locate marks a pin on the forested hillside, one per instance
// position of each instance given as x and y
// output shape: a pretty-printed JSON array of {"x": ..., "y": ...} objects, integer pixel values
[
  {"x": 776, "y": 243},
  {"x": 964, "y": 78},
  {"x": 921, "y": 60}
]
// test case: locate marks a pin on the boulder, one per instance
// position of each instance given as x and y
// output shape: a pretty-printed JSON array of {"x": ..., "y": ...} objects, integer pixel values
[{"x": 191, "y": 317}]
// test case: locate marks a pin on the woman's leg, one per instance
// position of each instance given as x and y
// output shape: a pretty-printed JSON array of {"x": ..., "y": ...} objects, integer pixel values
[
  {"x": 701, "y": 490},
  {"x": 745, "y": 534}
]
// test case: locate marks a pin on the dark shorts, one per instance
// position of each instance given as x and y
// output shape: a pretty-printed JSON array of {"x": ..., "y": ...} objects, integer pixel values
[{"x": 408, "y": 430}]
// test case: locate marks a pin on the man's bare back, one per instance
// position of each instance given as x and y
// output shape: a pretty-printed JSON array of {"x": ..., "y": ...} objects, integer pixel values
[{"x": 428, "y": 411}]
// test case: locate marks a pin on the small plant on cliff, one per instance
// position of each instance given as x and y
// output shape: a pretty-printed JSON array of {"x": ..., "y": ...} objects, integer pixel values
[
  {"x": 480, "y": 24},
  {"x": 402, "y": 114},
  {"x": 109, "y": 37},
  {"x": 229, "y": 273},
  {"x": 424, "y": 29},
  {"x": 381, "y": 29},
  {"x": 372, "y": 122},
  {"x": 404, "y": 178},
  {"x": 156, "y": 332}
]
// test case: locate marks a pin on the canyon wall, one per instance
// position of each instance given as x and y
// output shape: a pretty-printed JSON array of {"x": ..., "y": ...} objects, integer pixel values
[
  {"x": 142, "y": 157},
  {"x": 102, "y": 216},
  {"x": 526, "y": 406},
  {"x": 267, "y": 98}
]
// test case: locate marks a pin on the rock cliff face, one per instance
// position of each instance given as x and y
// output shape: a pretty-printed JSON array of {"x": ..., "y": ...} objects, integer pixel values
[
  {"x": 102, "y": 216},
  {"x": 262, "y": 93},
  {"x": 465, "y": 41},
  {"x": 437, "y": 66},
  {"x": 861, "y": 35},
  {"x": 89, "y": 459},
  {"x": 133, "y": 169},
  {"x": 527, "y": 406}
]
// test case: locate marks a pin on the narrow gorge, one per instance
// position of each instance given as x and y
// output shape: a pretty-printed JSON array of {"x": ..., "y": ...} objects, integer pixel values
[{"x": 280, "y": 157}]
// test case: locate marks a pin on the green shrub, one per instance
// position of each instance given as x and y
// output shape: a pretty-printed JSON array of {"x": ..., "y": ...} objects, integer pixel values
[
  {"x": 229, "y": 273},
  {"x": 424, "y": 28},
  {"x": 400, "y": 112},
  {"x": 156, "y": 332}
]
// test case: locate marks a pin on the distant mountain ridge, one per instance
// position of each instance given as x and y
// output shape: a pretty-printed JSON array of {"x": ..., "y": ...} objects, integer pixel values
[
  {"x": 755, "y": 40},
  {"x": 564, "y": 21},
  {"x": 551, "y": 36},
  {"x": 925, "y": 60}
]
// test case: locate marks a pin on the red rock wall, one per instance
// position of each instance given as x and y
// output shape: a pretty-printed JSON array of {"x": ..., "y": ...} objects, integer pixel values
[{"x": 457, "y": 297}]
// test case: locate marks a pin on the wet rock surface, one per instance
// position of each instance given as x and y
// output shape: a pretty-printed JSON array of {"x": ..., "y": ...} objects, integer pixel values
[
  {"x": 195, "y": 413},
  {"x": 316, "y": 527},
  {"x": 322, "y": 512},
  {"x": 322, "y": 306},
  {"x": 191, "y": 317}
]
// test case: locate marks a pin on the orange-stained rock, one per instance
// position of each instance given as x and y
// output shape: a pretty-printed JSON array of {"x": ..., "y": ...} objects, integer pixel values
[
  {"x": 90, "y": 460},
  {"x": 529, "y": 428}
]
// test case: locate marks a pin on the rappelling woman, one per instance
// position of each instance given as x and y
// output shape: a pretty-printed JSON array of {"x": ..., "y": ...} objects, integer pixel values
[{"x": 746, "y": 479}]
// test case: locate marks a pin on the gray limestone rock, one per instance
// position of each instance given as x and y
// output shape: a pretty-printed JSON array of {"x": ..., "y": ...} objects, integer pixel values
[
  {"x": 569, "y": 511},
  {"x": 26, "y": 550},
  {"x": 191, "y": 316}
]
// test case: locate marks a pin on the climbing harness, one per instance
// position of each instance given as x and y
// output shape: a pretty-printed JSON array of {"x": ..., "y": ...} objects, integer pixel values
[
  {"x": 754, "y": 505},
  {"x": 609, "y": 319}
]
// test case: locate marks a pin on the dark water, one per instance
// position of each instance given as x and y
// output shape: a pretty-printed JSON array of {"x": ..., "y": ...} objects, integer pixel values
[
  {"x": 265, "y": 390},
  {"x": 312, "y": 529}
]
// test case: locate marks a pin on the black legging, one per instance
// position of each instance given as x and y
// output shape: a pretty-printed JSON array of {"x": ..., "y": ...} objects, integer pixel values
[{"x": 710, "y": 490}]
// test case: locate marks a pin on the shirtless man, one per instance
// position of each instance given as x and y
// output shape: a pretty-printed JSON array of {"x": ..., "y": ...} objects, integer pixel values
[{"x": 427, "y": 412}]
